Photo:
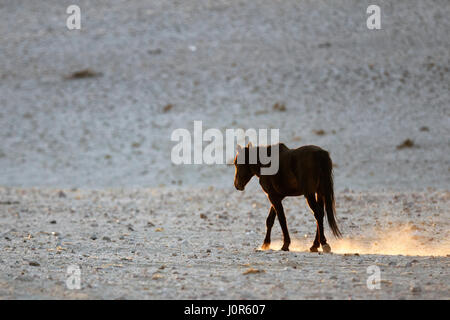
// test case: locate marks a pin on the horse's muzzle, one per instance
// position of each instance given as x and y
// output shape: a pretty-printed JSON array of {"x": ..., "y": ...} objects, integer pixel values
[{"x": 238, "y": 187}]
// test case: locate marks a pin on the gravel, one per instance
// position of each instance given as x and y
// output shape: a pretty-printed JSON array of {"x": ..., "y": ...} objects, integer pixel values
[
  {"x": 86, "y": 118},
  {"x": 184, "y": 257}
]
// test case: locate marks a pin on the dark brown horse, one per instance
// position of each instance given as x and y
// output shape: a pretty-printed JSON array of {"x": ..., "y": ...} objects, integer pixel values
[{"x": 304, "y": 171}]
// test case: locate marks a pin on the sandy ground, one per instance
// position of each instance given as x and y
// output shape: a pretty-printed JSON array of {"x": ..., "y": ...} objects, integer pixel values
[
  {"x": 105, "y": 141},
  {"x": 199, "y": 244}
]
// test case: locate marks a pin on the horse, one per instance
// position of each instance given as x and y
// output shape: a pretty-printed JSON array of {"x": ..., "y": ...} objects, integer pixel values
[{"x": 306, "y": 171}]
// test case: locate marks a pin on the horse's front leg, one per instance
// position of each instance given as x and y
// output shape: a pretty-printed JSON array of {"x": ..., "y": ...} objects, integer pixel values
[
  {"x": 276, "y": 203},
  {"x": 269, "y": 224}
]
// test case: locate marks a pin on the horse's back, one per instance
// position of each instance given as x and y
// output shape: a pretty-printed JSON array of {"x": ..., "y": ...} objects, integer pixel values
[
  {"x": 299, "y": 171},
  {"x": 306, "y": 162},
  {"x": 308, "y": 149}
]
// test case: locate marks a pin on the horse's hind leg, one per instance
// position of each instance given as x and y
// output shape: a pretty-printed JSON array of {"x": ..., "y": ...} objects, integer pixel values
[
  {"x": 323, "y": 241},
  {"x": 269, "y": 224},
  {"x": 317, "y": 208},
  {"x": 312, "y": 204}
]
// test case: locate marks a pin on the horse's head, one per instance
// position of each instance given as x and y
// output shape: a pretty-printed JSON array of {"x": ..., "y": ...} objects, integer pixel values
[{"x": 243, "y": 170}]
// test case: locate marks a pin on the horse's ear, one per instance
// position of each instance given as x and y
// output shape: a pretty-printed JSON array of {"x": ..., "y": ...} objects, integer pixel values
[{"x": 250, "y": 144}]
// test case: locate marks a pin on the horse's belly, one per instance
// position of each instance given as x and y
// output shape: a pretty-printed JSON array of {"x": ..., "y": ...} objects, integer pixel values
[
  {"x": 295, "y": 193},
  {"x": 291, "y": 187}
]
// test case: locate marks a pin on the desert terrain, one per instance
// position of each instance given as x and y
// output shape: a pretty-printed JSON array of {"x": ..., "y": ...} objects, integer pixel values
[{"x": 86, "y": 175}]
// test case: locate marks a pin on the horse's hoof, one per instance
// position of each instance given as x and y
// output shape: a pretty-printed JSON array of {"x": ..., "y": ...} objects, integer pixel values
[
  {"x": 285, "y": 248},
  {"x": 265, "y": 246},
  {"x": 326, "y": 248},
  {"x": 314, "y": 249}
]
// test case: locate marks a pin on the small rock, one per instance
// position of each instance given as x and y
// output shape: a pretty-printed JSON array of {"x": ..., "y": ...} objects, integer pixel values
[
  {"x": 34, "y": 264},
  {"x": 61, "y": 194},
  {"x": 408, "y": 143},
  {"x": 203, "y": 216},
  {"x": 167, "y": 107},
  {"x": 324, "y": 45},
  {"x": 83, "y": 74},
  {"x": 252, "y": 270},
  {"x": 320, "y": 132},
  {"x": 415, "y": 288},
  {"x": 126, "y": 259},
  {"x": 53, "y": 222},
  {"x": 154, "y": 51},
  {"x": 106, "y": 239},
  {"x": 93, "y": 237},
  {"x": 279, "y": 107},
  {"x": 157, "y": 276}
]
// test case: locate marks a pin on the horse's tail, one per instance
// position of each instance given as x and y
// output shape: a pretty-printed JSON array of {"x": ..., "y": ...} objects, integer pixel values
[{"x": 326, "y": 190}]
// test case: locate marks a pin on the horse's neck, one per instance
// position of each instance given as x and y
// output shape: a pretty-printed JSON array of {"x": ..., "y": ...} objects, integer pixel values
[{"x": 282, "y": 147}]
